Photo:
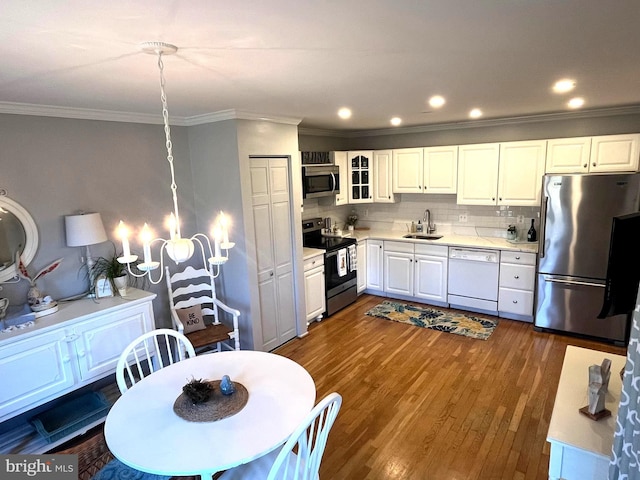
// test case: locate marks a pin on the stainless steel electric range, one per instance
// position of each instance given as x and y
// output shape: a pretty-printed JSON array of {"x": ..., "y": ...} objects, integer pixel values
[{"x": 340, "y": 264}]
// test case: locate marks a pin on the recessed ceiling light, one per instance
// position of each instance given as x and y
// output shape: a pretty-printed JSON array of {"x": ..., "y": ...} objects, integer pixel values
[
  {"x": 563, "y": 86},
  {"x": 344, "y": 113},
  {"x": 475, "y": 113},
  {"x": 576, "y": 102},
  {"x": 395, "y": 121},
  {"x": 437, "y": 101}
]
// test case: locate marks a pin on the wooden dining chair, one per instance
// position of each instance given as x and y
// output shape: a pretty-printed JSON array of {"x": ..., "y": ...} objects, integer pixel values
[
  {"x": 149, "y": 353},
  {"x": 192, "y": 295},
  {"x": 310, "y": 437}
]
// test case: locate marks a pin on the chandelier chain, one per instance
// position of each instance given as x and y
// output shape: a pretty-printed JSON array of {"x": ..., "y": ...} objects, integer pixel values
[{"x": 169, "y": 145}]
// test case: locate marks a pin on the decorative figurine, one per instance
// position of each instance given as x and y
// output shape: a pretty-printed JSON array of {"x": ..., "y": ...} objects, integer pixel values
[
  {"x": 596, "y": 392},
  {"x": 226, "y": 385}
]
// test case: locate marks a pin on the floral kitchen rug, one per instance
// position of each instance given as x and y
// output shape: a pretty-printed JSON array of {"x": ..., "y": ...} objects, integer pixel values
[{"x": 435, "y": 319}]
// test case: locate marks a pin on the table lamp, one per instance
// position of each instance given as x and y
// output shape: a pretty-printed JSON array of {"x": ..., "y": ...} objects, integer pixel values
[{"x": 83, "y": 230}]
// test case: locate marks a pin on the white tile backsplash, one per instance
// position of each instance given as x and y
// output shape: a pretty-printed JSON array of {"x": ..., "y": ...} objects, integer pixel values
[{"x": 488, "y": 221}]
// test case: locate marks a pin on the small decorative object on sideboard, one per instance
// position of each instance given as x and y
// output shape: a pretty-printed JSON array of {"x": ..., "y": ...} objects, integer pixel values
[
  {"x": 35, "y": 298},
  {"x": 596, "y": 392}
]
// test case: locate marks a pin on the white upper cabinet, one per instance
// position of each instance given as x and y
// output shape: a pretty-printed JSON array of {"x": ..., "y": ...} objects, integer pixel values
[
  {"x": 340, "y": 159},
  {"x": 615, "y": 153},
  {"x": 501, "y": 173},
  {"x": 601, "y": 154},
  {"x": 360, "y": 176},
  {"x": 407, "y": 170},
  {"x": 382, "y": 175},
  {"x": 478, "y": 174},
  {"x": 440, "y": 169},
  {"x": 568, "y": 155},
  {"x": 520, "y": 172}
]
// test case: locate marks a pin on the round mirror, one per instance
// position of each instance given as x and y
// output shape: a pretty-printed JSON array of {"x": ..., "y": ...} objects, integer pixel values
[{"x": 18, "y": 232}]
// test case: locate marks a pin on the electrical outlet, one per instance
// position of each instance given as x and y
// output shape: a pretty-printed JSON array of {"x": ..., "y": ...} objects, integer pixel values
[
  {"x": 520, "y": 219},
  {"x": 462, "y": 218}
]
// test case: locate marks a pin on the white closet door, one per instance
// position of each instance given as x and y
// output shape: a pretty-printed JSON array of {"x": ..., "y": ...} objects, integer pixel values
[{"x": 270, "y": 183}]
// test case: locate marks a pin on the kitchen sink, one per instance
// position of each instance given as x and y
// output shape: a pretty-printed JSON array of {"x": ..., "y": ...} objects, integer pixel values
[{"x": 422, "y": 236}]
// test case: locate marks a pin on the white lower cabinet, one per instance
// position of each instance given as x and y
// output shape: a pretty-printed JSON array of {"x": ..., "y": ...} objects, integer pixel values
[
  {"x": 64, "y": 351},
  {"x": 314, "y": 287},
  {"x": 375, "y": 265},
  {"x": 431, "y": 267},
  {"x": 362, "y": 266},
  {"x": 516, "y": 285},
  {"x": 416, "y": 270}
]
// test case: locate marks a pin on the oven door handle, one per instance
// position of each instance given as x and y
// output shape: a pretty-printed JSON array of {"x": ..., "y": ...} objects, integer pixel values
[{"x": 332, "y": 254}]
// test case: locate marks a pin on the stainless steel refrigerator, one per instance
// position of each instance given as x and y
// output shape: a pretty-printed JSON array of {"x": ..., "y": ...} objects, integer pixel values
[{"x": 586, "y": 238}]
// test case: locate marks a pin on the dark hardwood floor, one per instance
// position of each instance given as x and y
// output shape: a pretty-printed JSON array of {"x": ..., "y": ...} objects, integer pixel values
[{"x": 422, "y": 404}]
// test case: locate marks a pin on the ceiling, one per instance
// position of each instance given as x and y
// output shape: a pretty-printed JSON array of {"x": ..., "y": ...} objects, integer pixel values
[{"x": 302, "y": 60}]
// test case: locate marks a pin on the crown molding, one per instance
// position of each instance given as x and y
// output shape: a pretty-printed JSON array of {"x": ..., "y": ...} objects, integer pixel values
[
  {"x": 83, "y": 113},
  {"x": 155, "y": 119},
  {"x": 233, "y": 114},
  {"x": 546, "y": 117}
]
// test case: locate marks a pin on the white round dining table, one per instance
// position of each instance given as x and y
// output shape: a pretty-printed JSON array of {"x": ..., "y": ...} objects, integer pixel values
[{"x": 144, "y": 432}]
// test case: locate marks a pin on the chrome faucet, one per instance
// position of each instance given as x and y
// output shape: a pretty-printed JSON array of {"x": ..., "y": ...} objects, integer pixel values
[{"x": 430, "y": 228}]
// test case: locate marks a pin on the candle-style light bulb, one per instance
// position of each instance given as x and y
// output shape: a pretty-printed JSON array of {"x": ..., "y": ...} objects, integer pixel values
[
  {"x": 216, "y": 240},
  {"x": 224, "y": 224},
  {"x": 123, "y": 233},
  {"x": 146, "y": 236}
]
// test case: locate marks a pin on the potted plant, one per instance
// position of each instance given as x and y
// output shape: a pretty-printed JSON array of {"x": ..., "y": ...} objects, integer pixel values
[{"x": 116, "y": 273}]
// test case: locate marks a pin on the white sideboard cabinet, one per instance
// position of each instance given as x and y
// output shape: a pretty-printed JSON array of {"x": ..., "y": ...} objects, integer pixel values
[{"x": 67, "y": 350}]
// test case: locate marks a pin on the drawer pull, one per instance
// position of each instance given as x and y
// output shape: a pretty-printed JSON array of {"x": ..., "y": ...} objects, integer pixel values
[
  {"x": 514, "y": 301},
  {"x": 517, "y": 258},
  {"x": 516, "y": 276}
]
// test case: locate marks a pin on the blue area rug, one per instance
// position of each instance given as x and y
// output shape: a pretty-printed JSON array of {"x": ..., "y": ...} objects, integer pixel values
[
  {"x": 435, "y": 319},
  {"x": 116, "y": 470}
]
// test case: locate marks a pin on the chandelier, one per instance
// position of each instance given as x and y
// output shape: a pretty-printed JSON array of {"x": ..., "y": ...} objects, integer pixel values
[{"x": 179, "y": 249}]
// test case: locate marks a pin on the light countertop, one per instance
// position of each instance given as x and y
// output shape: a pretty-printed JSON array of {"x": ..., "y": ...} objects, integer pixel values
[
  {"x": 308, "y": 253},
  {"x": 450, "y": 239}
]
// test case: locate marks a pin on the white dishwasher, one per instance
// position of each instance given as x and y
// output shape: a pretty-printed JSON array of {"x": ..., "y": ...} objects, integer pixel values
[{"x": 473, "y": 278}]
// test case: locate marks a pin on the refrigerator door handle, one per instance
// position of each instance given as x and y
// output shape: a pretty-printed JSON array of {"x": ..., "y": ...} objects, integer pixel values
[
  {"x": 572, "y": 282},
  {"x": 543, "y": 221}
]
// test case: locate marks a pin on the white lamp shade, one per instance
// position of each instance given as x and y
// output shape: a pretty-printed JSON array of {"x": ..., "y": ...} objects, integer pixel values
[{"x": 84, "y": 229}]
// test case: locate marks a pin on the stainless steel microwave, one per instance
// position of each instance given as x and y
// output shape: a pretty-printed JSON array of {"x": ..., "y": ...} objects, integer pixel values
[{"x": 320, "y": 181}]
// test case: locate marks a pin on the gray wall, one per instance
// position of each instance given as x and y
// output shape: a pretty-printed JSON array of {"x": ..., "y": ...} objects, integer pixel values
[
  {"x": 480, "y": 132},
  {"x": 55, "y": 167},
  {"x": 220, "y": 156}
]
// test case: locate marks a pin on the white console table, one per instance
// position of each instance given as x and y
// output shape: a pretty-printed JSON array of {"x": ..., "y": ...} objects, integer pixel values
[
  {"x": 581, "y": 447},
  {"x": 62, "y": 352}
]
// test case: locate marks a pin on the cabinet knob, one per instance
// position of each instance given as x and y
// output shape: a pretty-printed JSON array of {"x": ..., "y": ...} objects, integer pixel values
[
  {"x": 420, "y": 187},
  {"x": 593, "y": 164},
  {"x": 514, "y": 301},
  {"x": 493, "y": 198},
  {"x": 380, "y": 246},
  {"x": 271, "y": 274},
  {"x": 500, "y": 199},
  {"x": 585, "y": 165},
  {"x": 516, "y": 276},
  {"x": 517, "y": 258},
  {"x": 389, "y": 197}
]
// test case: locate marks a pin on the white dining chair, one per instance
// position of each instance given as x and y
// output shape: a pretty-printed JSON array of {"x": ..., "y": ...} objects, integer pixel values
[
  {"x": 151, "y": 352},
  {"x": 194, "y": 287},
  {"x": 311, "y": 439}
]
